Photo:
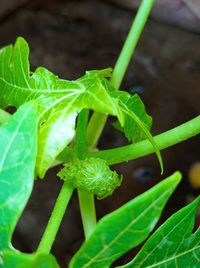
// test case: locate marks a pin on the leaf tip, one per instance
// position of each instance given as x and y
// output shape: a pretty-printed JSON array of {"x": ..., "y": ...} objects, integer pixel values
[{"x": 175, "y": 178}]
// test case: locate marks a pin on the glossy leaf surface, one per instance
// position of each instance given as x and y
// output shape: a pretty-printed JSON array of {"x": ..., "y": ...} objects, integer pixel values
[
  {"x": 17, "y": 163},
  {"x": 173, "y": 244},
  {"x": 58, "y": 100},
  {"x": 125, "y": 228}
]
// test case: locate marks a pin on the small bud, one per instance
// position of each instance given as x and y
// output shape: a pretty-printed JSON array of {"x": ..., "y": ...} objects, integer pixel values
[{"x": 92, "y": 175}]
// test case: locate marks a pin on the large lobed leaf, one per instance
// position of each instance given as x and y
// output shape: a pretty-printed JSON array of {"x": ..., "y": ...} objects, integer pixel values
[
  {"x": 173, "y": 244},
  {"x": 59, "y": 100},
  {"x": 17, "y": 163},
  {"x": 125, "y": 228}
]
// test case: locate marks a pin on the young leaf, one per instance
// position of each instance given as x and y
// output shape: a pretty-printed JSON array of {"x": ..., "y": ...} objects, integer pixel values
[
  {"x": 55, "y": 134},
  {"x": 139, "y": 121},
  {"x": 15, "y": 259},
  {"x": 173, "y": 244},
  {"x": 17, "y": 163},
  {"x": 131, "y": 129},
  {"x": 58, "y": 100},
  {"x": 125, "y": 228}
]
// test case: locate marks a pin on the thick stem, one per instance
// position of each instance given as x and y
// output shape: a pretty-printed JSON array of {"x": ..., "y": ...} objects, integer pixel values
[
  {"x": 95, "y": 128},
  {"x": 86, "y": 200},
  {"x": 143, "y": 148},
  {"x": 55, "y": 219},
  {"x": 81, "y": 134},
  {"x": 123, "y": 61},
  {"x": 88, "y": 213}
]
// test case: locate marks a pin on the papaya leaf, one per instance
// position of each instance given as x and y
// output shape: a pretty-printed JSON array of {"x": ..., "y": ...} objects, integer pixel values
[
  {"x": 17, "y": 163},
  {"x": 15, "y": 259},
  {"x": 125, "y": 228},
  {"x": 55, "y": 134},
  {"x": 173, "y": 244},
  {"x": 131, "y": 129},
  {"x": 145, "y": 131},
  {"x": 58, "y": 100}
]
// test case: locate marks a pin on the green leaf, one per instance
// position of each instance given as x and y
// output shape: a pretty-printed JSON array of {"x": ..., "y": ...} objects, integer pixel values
[
  {"x": 15, "y": 259},
  {"x": 142, "y": 121},
  {"x": 59, "y": 100},
  {"x": 54, "y": 135},
  {"x": 131, "y": 129},
  {"x": 17, "y": 163},
  {"x": 125, "y": 228},
  {"x": 173, "y": 244}
]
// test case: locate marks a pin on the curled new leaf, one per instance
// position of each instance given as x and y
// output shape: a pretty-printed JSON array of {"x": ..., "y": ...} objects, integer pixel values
[{"x": 92, "y": 175}]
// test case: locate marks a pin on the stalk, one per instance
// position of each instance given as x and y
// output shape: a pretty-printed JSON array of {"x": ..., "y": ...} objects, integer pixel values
[
  {"x": 86, "y": 200},
  {"x": 122, "y": 63},
  {"x": 131, "y": 42},
  {"x": 88, "y": 213},
  {"x": 143, "y": 148},
  {"x": 55, "y": 219}
]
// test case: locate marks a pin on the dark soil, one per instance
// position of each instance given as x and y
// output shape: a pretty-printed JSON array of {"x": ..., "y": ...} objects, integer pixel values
[{"x": 69, "y": 37}]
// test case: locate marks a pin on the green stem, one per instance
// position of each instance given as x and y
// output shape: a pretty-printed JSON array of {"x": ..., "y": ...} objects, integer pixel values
[
  {"x": 123, "y": 61},
  {"x": 95, "y": 128},
  {"x": 4, "y": 116},
  {"x": 86, "y": 200},
  {"x": 88, "y": 214},
  {"x": 143, "y": 148},
  {"x": 131, "y": 42},
  {"x": 81, "y": 134},
  {"x": 55, "y": 219}
]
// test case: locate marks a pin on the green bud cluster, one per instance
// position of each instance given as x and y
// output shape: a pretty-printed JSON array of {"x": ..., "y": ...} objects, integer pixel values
[{"x": 92, "y": 175}]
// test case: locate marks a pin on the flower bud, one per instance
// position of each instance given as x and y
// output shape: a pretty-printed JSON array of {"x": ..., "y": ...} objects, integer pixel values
[{"x": 92, "y": 175}]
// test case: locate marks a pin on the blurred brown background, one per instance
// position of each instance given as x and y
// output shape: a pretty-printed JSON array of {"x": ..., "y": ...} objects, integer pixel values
[{"x": 69, "y": 37}]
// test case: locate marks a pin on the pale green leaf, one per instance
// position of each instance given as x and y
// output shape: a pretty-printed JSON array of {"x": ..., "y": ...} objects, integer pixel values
[
  {"x": 55, "y": 97},
  {"x": 17, "y": 163},
  {"x": 125, "y": 228},
  {"x": 173, "y": 244},
  {"x": 60, "y": 129}
]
